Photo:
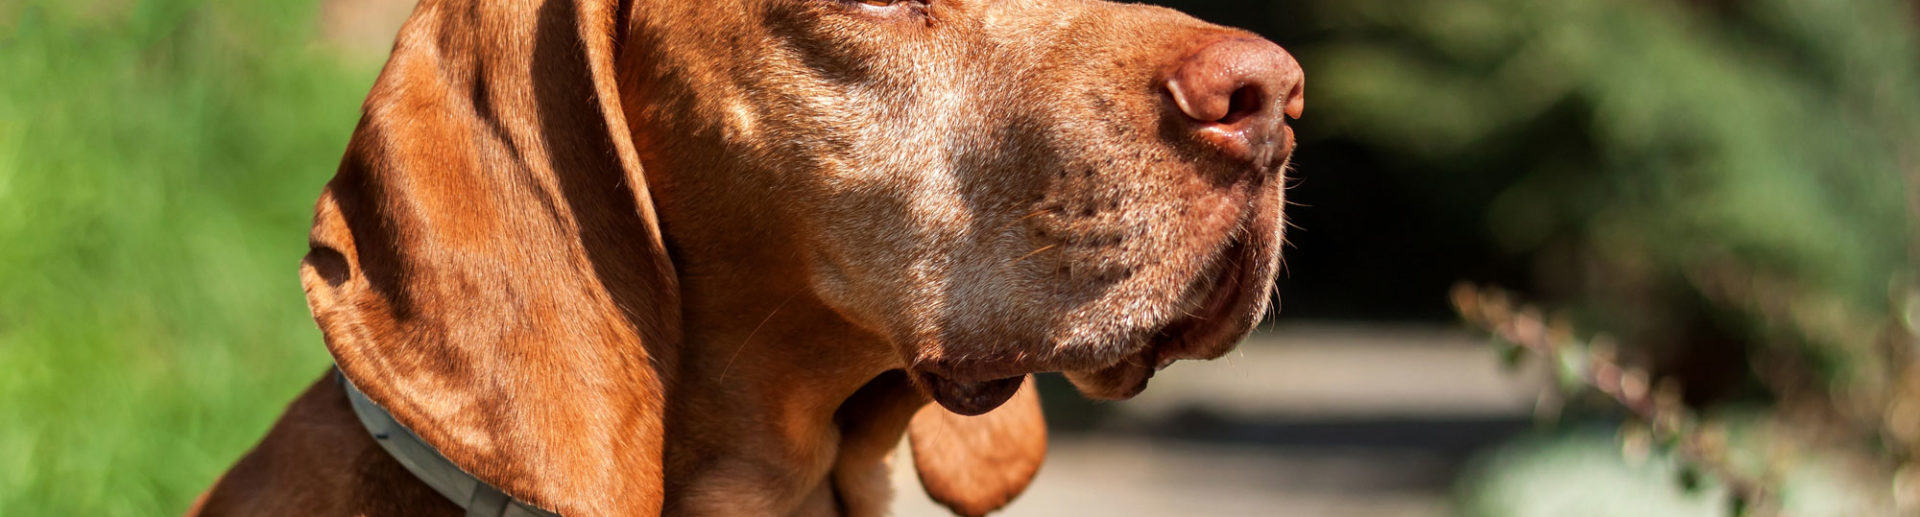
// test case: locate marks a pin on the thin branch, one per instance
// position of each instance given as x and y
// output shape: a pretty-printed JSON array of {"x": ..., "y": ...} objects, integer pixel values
[{"x": 1593, "y": 365}]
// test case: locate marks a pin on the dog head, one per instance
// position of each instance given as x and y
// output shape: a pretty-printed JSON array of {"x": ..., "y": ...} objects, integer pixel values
[{"x": 996, "y": 187}]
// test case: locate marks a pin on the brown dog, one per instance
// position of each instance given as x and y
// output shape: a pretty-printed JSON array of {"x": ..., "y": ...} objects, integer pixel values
[{"x": 714, "y": 258}]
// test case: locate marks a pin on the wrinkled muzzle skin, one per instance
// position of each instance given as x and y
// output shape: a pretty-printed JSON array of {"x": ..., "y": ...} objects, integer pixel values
[{"x": 995, "y": 187}]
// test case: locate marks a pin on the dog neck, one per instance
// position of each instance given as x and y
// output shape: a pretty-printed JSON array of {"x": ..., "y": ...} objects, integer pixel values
[{"x": 736, "y": 423}]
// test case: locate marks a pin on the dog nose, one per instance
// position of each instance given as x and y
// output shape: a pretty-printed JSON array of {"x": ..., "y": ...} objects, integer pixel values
[{"x": 1234, "y": 93}]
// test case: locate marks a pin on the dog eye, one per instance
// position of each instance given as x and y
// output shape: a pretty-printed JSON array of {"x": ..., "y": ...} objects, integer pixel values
[{"x": 880, "y": 3}]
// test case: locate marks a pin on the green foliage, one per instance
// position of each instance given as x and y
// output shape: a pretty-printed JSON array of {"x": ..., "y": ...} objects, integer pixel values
[
  {"x": 157, "y": 162},
  {"x": 1751, "y": 168},
  {"x": 1658, "y": 141}
]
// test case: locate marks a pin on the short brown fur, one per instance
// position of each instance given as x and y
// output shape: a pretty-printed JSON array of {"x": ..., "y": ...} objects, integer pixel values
[{"x": 699, "y": 258}]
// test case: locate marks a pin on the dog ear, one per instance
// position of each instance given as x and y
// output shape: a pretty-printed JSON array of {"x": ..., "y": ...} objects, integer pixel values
[
  {"x": 977, "y": 464},
  {"x": 487, "y": 264}
]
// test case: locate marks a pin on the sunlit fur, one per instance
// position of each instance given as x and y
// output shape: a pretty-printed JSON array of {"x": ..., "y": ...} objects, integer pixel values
[
  {"x": 673, "y": 257},
  {"x": 988, "y": 185}
]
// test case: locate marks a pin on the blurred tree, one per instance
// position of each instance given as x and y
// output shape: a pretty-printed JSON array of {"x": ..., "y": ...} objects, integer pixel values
[{"x": 1663, "y": 160}]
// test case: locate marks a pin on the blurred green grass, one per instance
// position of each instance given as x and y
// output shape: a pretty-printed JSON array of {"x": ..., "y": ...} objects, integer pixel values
[{"x": 157, "y": 164}]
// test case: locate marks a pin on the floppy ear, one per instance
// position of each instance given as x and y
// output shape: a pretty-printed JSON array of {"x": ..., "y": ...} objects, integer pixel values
[
  {"x": 487, "y": 264},
  {"x": 978, "y": 464}
]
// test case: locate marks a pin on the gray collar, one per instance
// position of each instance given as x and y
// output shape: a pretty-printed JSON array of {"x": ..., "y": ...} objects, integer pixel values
[{"x": 477, "y": 497}]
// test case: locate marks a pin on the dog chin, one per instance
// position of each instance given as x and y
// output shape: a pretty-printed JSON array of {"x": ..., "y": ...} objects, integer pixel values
[
  {"x": 1229, "y": 302},
  {"x": 1220, "y": 308}
]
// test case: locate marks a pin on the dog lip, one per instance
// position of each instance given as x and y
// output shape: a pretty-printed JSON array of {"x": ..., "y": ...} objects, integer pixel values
[
  {"x": 1196, "y": 335},
  {"x": 967, "y": 398},
  {"x": 1119, "y": 381},
  {"x": 1192, "y": 335}
]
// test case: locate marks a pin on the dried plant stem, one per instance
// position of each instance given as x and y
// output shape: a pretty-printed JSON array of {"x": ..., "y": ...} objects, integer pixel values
[{"x": 1592, "y": 365}]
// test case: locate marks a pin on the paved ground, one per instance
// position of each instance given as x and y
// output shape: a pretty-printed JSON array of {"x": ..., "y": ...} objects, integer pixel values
[{"x": 1316, "y": 420}]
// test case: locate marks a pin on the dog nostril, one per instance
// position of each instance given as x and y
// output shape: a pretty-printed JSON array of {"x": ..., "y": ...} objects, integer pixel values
[{"x": 1245, "y": 102}]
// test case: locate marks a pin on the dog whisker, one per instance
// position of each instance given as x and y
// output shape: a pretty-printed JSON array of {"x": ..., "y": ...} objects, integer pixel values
[
  {"x": 1035, "y": 213},
  {"x": 1042, "y": 249}
]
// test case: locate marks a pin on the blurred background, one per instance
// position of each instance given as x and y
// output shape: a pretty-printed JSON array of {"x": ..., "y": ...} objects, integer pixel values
[{"x": 1549, "y": 258}]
